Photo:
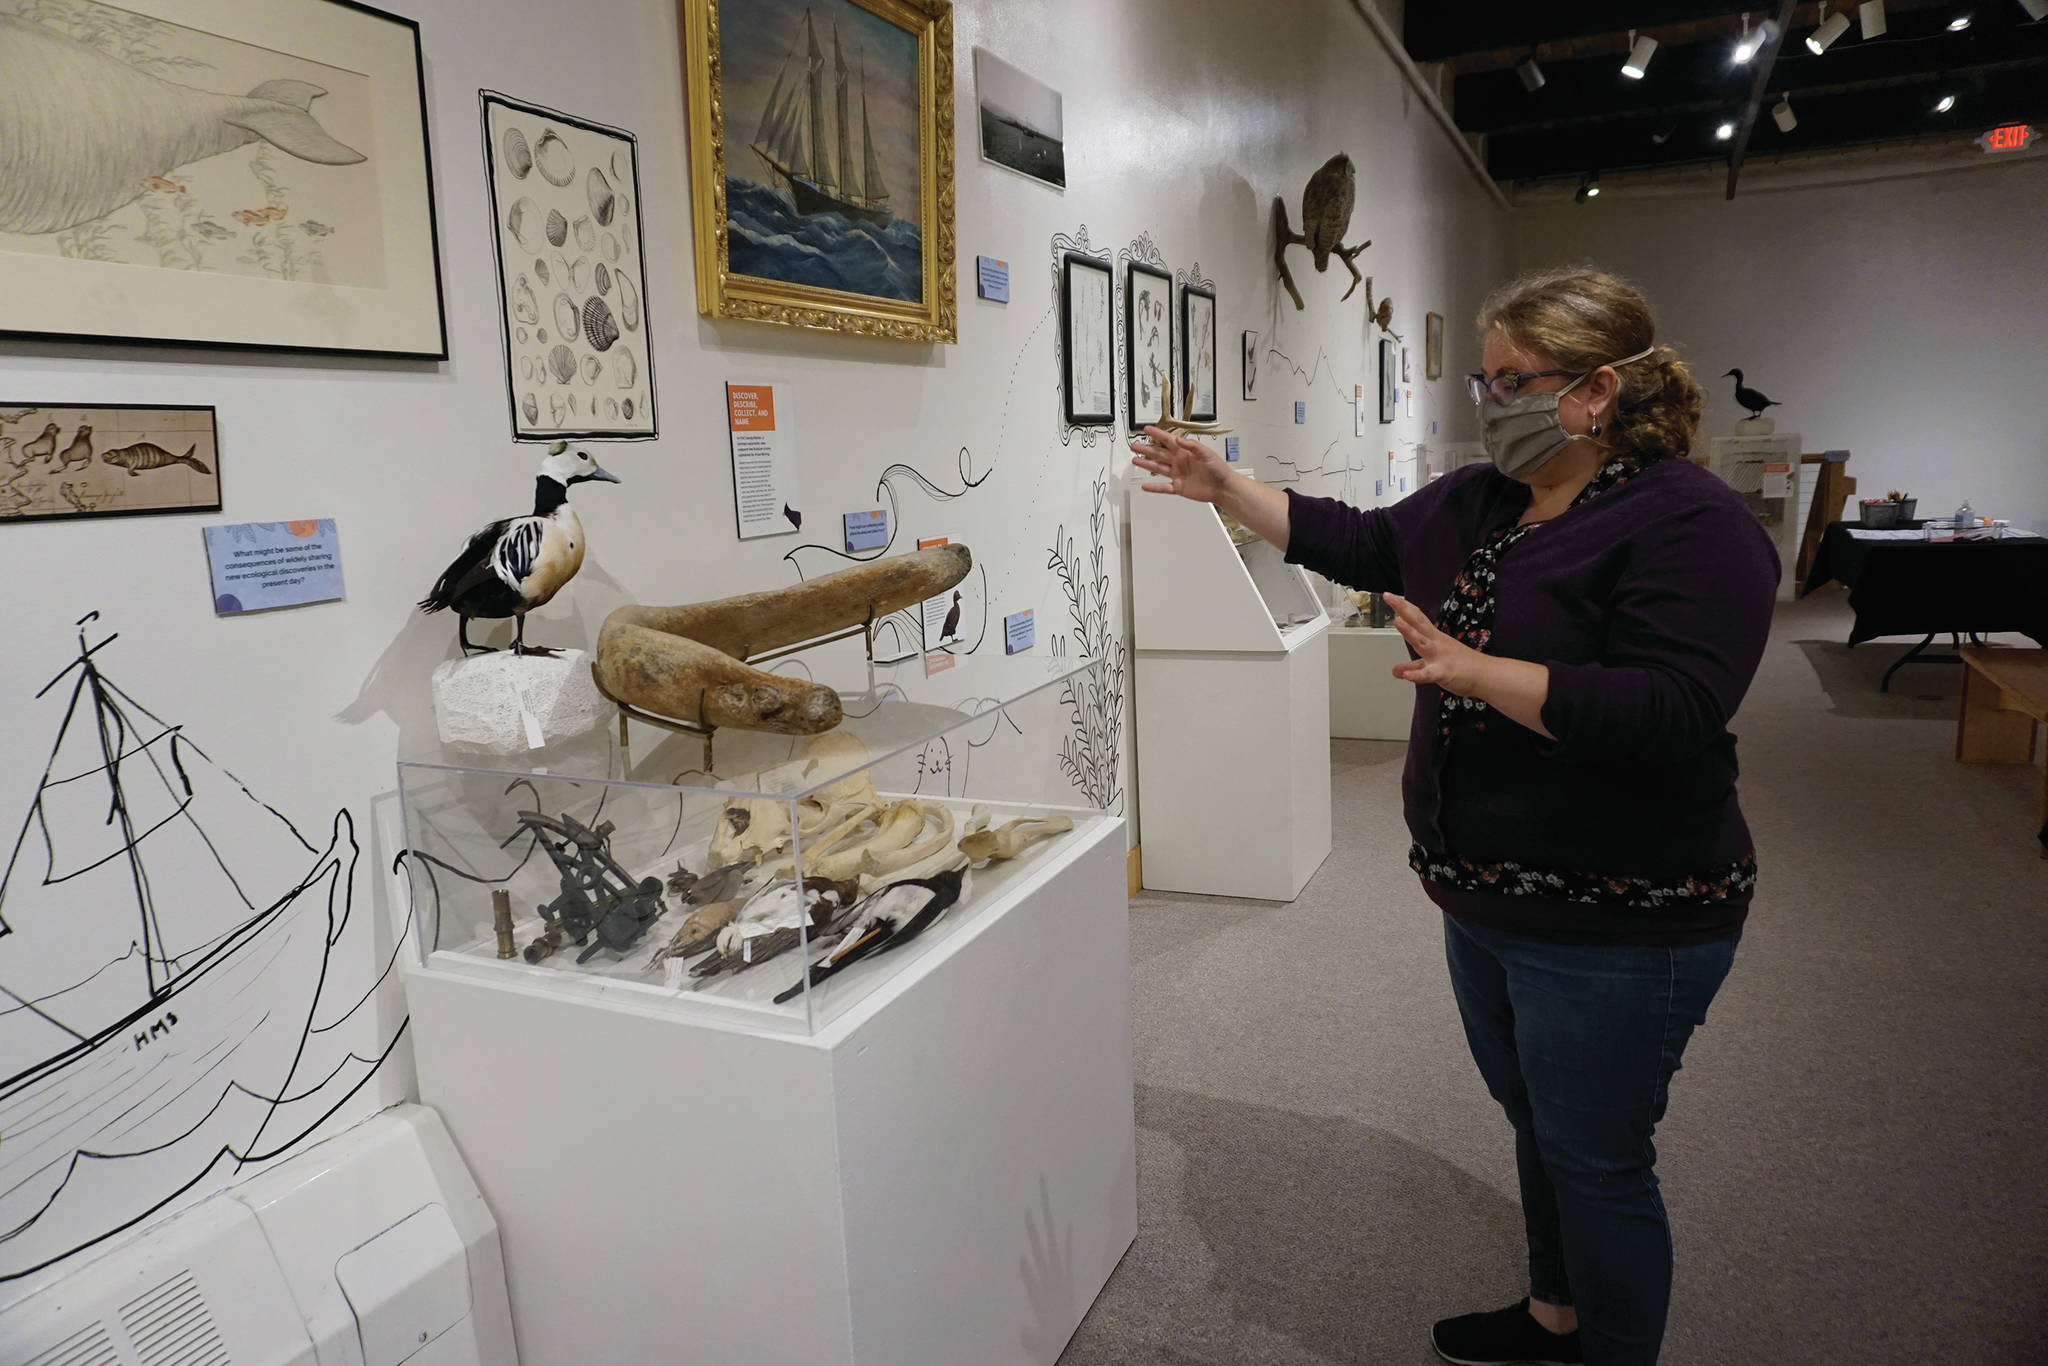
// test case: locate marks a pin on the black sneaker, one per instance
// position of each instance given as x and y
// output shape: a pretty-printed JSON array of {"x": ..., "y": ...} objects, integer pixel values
[{"x": 1505, "y": 1337}]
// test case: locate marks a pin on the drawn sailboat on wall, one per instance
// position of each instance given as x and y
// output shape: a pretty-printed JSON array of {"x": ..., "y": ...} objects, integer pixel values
[
  {"x": 177, "y": 965},
  {"x": 812, "y": 152}
]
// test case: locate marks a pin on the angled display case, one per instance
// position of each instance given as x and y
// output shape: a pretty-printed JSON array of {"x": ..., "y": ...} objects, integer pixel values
[
  {"x": 1233, "y": 706},
  {"x": 849, "y": 1001}
]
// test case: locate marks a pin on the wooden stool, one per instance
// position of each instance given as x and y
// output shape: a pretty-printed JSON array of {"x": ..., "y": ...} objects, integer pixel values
[{"x": 2005, "y": 692}]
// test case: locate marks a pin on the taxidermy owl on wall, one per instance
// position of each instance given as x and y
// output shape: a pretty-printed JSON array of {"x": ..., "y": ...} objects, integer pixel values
[{"x": 1325, "y": 218}]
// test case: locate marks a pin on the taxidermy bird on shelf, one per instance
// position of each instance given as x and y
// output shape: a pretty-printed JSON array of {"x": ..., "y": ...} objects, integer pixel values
[
  {"x": 1325, "y": 217},
  {"x": 889, "y": 919},
  {"x": 511, "y": 567},
  {"x": 1750, "y": 398}
]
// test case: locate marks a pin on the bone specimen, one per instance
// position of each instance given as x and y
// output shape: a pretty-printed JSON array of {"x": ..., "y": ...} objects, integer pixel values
[
  {"x": 689, "y": 662},
  {"x": 1325, "y": 217},
  {"x": 1013, "y": 839},
  {"x": 1174, "y": 426},
  {"x": 877, "y": 863}
]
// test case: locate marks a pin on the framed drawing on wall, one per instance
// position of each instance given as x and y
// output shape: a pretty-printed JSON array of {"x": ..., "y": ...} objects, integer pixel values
[
  {"x": 821, "y": 163},
  {"x": 572, "y": 295},
  {"x": 1148, "y": 341},
  {"x": 1198, "y": 351},
  {"x": 106, "y": 460},
  {"x": 191, "y": 173},
  {"x": 1088, "y": 331},
  {"x": 1389, "y": 379},
  {"x": 1433, "y": 346}
]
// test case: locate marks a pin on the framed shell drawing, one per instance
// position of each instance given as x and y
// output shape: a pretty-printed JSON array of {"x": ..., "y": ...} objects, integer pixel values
[
  {"x": 192, "y": 173},
  {"x": 821, "y": 163},
  {"x": 572, "y": 280}
]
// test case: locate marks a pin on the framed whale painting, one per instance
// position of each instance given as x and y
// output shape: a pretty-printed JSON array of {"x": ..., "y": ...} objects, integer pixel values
[
  {"x": 193, "y": 173},
  {"x": 821, "y": 163}
]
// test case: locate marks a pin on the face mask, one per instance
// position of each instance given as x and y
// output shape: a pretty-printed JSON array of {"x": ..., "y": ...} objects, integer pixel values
[{"x": 1524, "y": 435}]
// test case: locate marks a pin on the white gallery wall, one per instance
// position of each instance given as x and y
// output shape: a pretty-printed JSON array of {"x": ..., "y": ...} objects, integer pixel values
[
  {"x": 1183, "y": 120},
  {"x": 1904, "y": 320}
]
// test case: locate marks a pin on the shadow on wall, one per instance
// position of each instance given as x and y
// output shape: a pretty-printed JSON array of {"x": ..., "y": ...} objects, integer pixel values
[{"x": 1271, "y": 1235}]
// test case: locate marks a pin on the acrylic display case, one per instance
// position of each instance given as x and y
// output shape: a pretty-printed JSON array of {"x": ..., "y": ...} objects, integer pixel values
[
  {"x": 943, "y": 1103},
  {"x": 1233, "y": 706},
  {"x": 1765, "y": 471}
]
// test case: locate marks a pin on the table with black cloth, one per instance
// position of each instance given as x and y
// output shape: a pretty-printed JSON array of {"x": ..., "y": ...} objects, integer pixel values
[{"x": 1923, "y": 588}]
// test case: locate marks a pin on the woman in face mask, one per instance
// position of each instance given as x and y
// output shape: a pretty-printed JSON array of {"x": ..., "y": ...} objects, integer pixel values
[{"x": 1584, "y": 613}]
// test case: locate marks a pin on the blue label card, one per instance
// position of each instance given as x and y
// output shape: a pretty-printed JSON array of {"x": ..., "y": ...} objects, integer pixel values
[
  {"x": 1379, "y": 488},
  {"x": 1230, "y": 449},
  {"x": 1404, "y": 483},
  {"x": 259, "y": 565},
  {"x": 866, "y": 530},
  {"x": 992, "y": 279},
  {"x": 1020, "y": 632},
  {"x": 1300, "y": 411}
]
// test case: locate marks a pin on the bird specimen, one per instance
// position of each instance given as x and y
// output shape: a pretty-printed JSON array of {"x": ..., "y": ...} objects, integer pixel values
[
  {"x": 698, "y": 932},
  {"x": 513, "y": 566},
  {"x": 1008, "y": 841},
  {"x": 681, "y": 880},
  {"x": 1383, "y": 316},
  {"x": 774, "y": 922},
  {"x": 887, "y": 920},
  {"x": 720, "y": 884},
  {"x": 1325, "y": 217},
  {"x": 1750, "y": 398}
]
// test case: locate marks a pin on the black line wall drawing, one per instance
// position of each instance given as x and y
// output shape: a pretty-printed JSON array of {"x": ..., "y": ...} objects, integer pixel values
[
  {"x": 1092, "y": 757},
  {"x": 183, "y": 978}
]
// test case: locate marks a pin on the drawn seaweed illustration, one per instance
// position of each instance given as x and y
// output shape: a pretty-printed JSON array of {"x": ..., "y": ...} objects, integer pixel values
[
  {"x": 1092, "y": 757},
  {"x": 177, "y": 963},
  {"x": 134, "y": 174}
]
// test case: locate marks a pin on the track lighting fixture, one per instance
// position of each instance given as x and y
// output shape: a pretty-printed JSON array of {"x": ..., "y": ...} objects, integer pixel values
[
  {"x": 1782, "y": 115},
  {"x": 2037, "y": 10},
  {"x": 1662, "y": 134},
  {"x": 1944, "y": 104},
  {"x": 1589, "y": 188},
  {"x": 1639, "y": 53},
  {"x": 1724, "y": 131},
  {"x": 1871, "y": 15},
  {"x": 1753, "y": 39},
  {"x": 1959, "y": 23},
  {"x": 1831, "y": 28},
  {"x": 1532, "y": 74}
]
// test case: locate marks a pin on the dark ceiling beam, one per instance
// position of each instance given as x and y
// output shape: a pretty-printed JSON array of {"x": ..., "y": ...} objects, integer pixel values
[{"x": 1439, "y": 32}]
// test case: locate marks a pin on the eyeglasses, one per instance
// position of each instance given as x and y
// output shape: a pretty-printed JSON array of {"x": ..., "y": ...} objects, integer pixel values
[{"x": 1502, "y": 388}]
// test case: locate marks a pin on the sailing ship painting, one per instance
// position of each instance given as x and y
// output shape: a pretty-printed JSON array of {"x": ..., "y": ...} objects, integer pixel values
[
  {"x": 823, "y": 98},
  {"x": 184, "y": 989}
]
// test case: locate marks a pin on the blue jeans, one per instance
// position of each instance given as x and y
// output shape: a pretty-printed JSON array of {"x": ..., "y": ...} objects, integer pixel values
[{"x": 1578, "y": 1044}]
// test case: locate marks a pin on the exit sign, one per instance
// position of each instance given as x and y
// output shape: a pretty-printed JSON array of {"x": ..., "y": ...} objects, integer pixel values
[{"x": 2007, "y": 137}]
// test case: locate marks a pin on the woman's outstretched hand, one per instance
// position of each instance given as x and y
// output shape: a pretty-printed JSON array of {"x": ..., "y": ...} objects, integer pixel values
[
  {"x": 1187, "y": 468},
  {"x": 1444, "y": 660}
]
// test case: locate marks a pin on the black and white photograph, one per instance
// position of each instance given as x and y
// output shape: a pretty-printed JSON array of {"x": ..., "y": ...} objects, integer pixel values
[
  {"x": 1148, "y": 341},
  {"x": 1088, "y": 326},
  {"x": 1022, "y": 126},
  {"x": 1251, "y": 366},
  {"x": 1198, "y": 343},
  {"x": 565, "y": 209}
]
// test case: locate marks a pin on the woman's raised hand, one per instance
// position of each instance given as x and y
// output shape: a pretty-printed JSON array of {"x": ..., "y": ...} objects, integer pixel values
[{"x": 1187, "y": 468}]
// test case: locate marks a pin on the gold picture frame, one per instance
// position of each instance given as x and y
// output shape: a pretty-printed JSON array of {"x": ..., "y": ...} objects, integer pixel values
[{"x": 805, "y": 201}]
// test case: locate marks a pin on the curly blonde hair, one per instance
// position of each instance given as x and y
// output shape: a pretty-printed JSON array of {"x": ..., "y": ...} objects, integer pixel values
[{"x": 1579, "y": 319}]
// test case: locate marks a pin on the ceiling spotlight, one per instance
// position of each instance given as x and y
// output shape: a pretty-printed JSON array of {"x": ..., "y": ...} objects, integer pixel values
[
  {"x": 2037, "y": 10},
  {"x": 1833, "y": 27},
  {"x": 1782, "y": 115},
  {"x": 1944, "y": 104},
  {"x": 1724, "y": 132},
  {"x": 1753, "y": 39},
  {"x": 1639, "y": 55},
  {"x": 1589, "y": 188},
  {"x": 1662, "y": 134},
  {"x": 1871, "y": 15},
  {"x": 1532, "y": 74},
  {"x": 1959, "y": 23}
]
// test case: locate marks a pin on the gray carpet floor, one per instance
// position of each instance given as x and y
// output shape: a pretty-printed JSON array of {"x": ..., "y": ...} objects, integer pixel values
[{"x": 1856, "y": 1152}]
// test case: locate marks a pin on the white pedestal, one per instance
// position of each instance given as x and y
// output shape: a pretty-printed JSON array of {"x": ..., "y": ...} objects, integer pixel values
[
  {"x": 944, "y": 1174},
  {"x": 1366, "y": 701},
  {"x": 1234, "y": 768}
]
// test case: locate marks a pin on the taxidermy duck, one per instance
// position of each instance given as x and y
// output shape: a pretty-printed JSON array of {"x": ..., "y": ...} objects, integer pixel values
[
  {"x": 1750, "y": 398},
  {"x": 511, "y": 567},
  {"x": 889, "y": 919},
  {"x": 1325, "y": 217}
]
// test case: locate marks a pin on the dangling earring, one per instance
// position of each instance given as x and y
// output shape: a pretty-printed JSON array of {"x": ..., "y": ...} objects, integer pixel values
[{"x": 1594, "y": 430}]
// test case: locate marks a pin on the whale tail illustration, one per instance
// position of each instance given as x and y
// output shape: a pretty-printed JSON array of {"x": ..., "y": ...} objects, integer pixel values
[{"x": 282, "y": 120}]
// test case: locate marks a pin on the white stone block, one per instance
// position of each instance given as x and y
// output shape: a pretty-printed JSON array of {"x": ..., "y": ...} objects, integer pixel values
[{"x": 508, "y": 704}]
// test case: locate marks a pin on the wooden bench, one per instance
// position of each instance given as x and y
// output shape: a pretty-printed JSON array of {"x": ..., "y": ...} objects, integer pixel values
[{"x": 2005, "y": 693}]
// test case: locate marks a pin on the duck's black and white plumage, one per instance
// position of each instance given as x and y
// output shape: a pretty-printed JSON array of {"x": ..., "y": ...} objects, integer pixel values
[
  {"x": 1750, "y": 398},
  {"x": 889, "y": 919},
  {"x": 511, "y": 567}
]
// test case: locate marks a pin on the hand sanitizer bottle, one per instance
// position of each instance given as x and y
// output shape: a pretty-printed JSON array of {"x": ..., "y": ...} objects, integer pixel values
[{"x": 1966, "y": 518}]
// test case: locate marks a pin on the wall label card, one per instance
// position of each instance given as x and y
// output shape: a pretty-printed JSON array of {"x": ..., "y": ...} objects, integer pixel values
[
  {"x": 992, "y": 279},
  {"x": 766, "y": 501},
  {"x": 1358, "y": 410},
  {"x": 1020, "y": 632},
  {"x": 260, "y": 565},
  {"x": 1300, "y": 411},
  {"x": 1231, "y": 449},
  {"x": 866, "y": 530}
]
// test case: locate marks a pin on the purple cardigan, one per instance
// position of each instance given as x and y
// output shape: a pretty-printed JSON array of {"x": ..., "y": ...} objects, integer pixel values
[{"x": 1650, "y": 604}]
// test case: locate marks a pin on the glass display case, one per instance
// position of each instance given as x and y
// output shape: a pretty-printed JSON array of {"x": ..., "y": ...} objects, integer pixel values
[{"x": 793, "y": 880}]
